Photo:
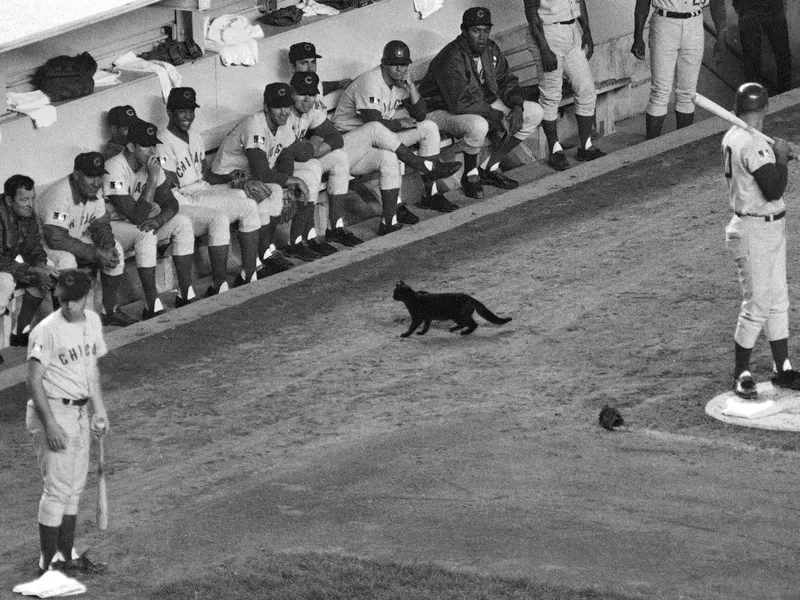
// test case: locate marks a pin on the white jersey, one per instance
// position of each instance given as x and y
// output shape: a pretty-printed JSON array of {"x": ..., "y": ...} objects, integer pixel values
[
  {"x": 367, "y": 92},
  {"x": 681, "y": 6},
  {"x": 67, "y": 351},
  {"x": 121, "y": 180},
  {"x": 252, "y": 132},
  {"x": 57, "y": 206},
  {"x": 558, "y": 11},
  {"x": 185, "y": 160},
  {"x": 743, "y": 154},
  {"x": 301, "y": 123}
]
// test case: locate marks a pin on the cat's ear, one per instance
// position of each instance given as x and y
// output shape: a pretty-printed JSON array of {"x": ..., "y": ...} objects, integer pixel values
[{"x": 402, "y": 283}]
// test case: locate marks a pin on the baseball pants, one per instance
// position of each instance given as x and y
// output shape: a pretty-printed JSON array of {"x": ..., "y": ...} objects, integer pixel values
[
  {"x": 7, "y": 286},
  {"x": 565, "y": 41},
  {"x": 676, "y": 55},
  {"x": 758, "y": 248},
  {"x": 776, "y": 29},
  {"x": 233, "y": 203},
  {"x": 371, "y": 148},
  {"x": 472, "y": 130},
  {"x": 336, "y": 165},
  {"x": 211, "y": 224},
  {"x": 64, "y": 472},
  {"x": 62, "y": 259}
]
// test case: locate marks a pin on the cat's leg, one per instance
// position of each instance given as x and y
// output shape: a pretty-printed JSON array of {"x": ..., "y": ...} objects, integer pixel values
[
  {"x": 415, "y": 322},
  {"x": 425, "y": 327},
  {"x": 470, "y": 325},
  {"x": 457, "y": 326}
]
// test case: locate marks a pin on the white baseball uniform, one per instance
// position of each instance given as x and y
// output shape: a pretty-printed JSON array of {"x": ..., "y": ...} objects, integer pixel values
[
  {"x": 757, "y": 245},
  {"x": 335, "y": 163}
]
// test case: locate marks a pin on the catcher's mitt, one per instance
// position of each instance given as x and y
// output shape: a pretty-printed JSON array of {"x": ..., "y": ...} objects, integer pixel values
[{"x": 610, "y": 418}]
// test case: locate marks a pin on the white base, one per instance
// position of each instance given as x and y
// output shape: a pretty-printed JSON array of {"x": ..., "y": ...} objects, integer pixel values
[{"x": 775, "y": 408}]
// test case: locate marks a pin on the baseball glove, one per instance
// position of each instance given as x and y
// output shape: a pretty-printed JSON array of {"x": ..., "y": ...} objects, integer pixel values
[
  {"x": 289, "y": 206},
  {"x": 610, "y": 418}
]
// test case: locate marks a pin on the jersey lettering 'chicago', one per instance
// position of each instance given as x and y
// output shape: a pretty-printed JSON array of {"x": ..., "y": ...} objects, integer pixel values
[
  {"x": 185, "y": 160},
  {"x": 557, "y": 11},
  {"x": 67, "y": 350},
  {"x": 121, "y": 180},
  {"x": 301, "y": 123},
  {"x": 251, "y": 133},
  {"x": 368, "y": 92},
  {"x": 682, "y": 6},
  {"x": 743, "y": 154},
  {"x": 56, "y": 206}
]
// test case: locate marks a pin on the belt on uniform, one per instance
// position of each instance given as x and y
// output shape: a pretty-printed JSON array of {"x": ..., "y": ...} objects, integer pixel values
[
  {"x": 768, "y": 218},
  {"x": 677, "y": 15},
  {"x": 78, "y": 402},
  {"x": 566, "y": 22}
]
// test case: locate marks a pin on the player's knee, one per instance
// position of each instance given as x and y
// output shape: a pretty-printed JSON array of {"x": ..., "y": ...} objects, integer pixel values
[
  {"x": 476, "y": 128},
  {"x": 250, "y": 219},
  {"x": 7, "y": 286}
]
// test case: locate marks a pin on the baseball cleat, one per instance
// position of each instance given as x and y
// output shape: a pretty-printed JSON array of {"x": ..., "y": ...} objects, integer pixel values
[
  {"x": 497, "y": 179},
  {"x": 405, "y": 216},
  {"x": 472, "y": 187},
  {"x": 272, "y": 266},
  {"x": 558, "y": 160},
  {"x": 745, "y": 386},
  {"x": 302, "y": 251},
  {"x": 442, "y": 170},
  {"x": 437, "y": 202},
  {"x": 82, "y": 564},
  {"x": 789, "y": 379},
  {"x": 180, "y": 302},
  {"x": 384, "y": 229},
  {"x": 117, "y": 319},
  {"x": 320, "y": 246},
  {"x": 590, "y": 154},
  {"x": 342, "y": 236}
]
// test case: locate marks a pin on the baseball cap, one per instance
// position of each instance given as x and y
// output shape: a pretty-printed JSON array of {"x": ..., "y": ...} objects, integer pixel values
[
  {"x": 305, "y": 84},
  {"x": 476, "y": 16},
  {"x": 182, "y": 97},
  {"x": 73, "y": 284},
  {"x": 278, "y": 95},
  {"x": 302, "y": 51},
  {"x": 396, "y": 53},
  {"x": 122, "y": 115},
  {"x": 143, "y": 133},
  {"x": 91, "y": 163}
]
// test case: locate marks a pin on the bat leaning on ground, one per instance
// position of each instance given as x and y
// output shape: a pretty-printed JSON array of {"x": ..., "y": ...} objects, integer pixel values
[
  {"x": 716, "y": 109},
  {"x": 102, "y": 497}
]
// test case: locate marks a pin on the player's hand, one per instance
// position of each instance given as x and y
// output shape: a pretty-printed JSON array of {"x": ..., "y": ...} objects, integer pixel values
[
  {"x": 99, "y": 424},
  {"x": 237, "y": 174},
  {"x": 408, "y": 123},
  {"x": 719, "y": 48},
  {"x": 45, "y": 275},
  {"x": 56, "y": 437},
  {"x": 299, "y": 189},
  {"x": 587, "y": 43},
  {"x": 343, "y": 83},
  {"x": 549, "y": 59},
  {"x": 781, "y": 149},
  {"x": 638, "y": 48},
  {"x": 514, "y": 120},
  {"x": 152, "y": 224},
  {"x": 153, "y": 167},
  {"x": 107, "y": 257}
]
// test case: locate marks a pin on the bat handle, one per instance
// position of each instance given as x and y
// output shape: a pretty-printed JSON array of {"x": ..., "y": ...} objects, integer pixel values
[{"x": 101, "y": 458}]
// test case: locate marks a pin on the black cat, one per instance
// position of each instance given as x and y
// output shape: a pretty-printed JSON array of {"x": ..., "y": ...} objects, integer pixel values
[{"x": 425, "y": 307}]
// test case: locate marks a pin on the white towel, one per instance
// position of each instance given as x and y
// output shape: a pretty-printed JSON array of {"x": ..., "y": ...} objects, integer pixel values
[
  {"x": 34, "y": 104},
  {"x": 310, "y": 8},
  {"x": 245, "y": 53},
  {"x": 425, "y": 8},
  {"x": 232, "y": 29},
  {"x": 168, "y": 75},
  {"x": 103, "y": 78}
]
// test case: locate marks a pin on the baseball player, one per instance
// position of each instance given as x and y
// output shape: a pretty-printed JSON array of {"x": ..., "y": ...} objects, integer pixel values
[
  {"x": 254, "y": 146},
  {"x": 756, "y": 239},
  {"x": 472, "y": 95},
  {"x": 182, "y": 152},
  {"x": 77, "y": 231},
  {"x": 119, "y": 119},
  {"x": 20, "y": 237},
  {"x": 140, "y": 200},
  {"x": 308, "y": 122},
  {"x": 560, "y": 30},
  {"x": 303, "y": 58},
  {"x": 388, "y": 95},
  {"x": 676, "y": 55},
  {"x": 769, "y": 16},
  {"x": 65, "y": 409}
]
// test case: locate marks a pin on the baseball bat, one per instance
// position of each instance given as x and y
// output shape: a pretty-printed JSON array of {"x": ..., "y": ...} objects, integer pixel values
[
  {"x": 716, "y": 109},
  {"x": 102, "y": 497}
]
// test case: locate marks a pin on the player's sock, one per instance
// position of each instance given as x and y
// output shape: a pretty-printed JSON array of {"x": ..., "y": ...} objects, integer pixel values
[
  {"x": 111, "y": 284},
  {"x": 780, "y": 354},
  {"x": 683, "y": 119},
  {"x": 653, "y": 125},
  {"x": 66, "y": 535},
  {"x": 501, "y": 152},
  {"x": 585, "y": 124},
  {"x": 550, "y": 129},
  {"x": 389, "y": 204},
  {"x": 29, "y": 305},
  {"x": 470, "y": 164},
  {"x": 266, "y": 235},
  {"x": 742, "y": 360},
  {"x": 218, "y": 257},
  {"x": 48, "y": 543},
  {"x": 248, "y": 242},
  {"x": 147, "y": 275},
  {"x": 183, "y": 269}
]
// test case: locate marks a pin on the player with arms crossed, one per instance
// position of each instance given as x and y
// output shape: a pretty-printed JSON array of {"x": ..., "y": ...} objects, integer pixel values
[
  {"x": 756, "y": 239},
  {"x": 65, "y": 409}
]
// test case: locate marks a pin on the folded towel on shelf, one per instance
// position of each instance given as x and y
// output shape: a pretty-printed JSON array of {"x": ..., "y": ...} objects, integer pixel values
[
  {"x": 104, "y": 77},
  {"x": 425, "y": 8},
  {"x": 233, "y": 38},
  {"x": 35, "y": 105},
  {"x": 310, "y": 7},
  {"x": 168, "y": 75}
]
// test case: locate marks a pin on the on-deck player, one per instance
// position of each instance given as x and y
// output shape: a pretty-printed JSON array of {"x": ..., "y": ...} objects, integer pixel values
[
  {"x": 756, "y": 239},
  {"x": 676, "y": 54}
]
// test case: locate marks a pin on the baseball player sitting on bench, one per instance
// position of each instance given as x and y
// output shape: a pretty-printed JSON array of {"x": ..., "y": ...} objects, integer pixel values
[
  {"x": 140, "y": 200},
  {"x": 472, "y": 95},
  {"x": 560, "y": 29},
  {"x": 382, "y": 101},
  {"x": 77, "y": 232},
  {"x": 253, "y": 147},
  {"x": 756, "y": 239},
  {"x": 311, "y": 125},
  {"x": 302, "y": 58},
  {"x": 677, "y": 41},
  {"x": 119, "y": 119},
  {"x": 20, "y": 236},
  {"x": 182, "y": 152}
]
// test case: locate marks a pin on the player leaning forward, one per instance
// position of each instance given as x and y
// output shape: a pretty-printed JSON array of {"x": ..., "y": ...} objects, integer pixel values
[
  {"x": 756, "y": 239},
  {"x": 65, "y": 409}
]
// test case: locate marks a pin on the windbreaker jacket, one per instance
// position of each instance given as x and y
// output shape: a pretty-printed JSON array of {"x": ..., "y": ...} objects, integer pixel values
[{"x": 19, "y": 237}]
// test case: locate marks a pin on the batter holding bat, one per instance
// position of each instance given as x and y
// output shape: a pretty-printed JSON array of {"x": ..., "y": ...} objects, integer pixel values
[
  {"x": 757, "y": 174},
  {"x": 66, "y": 408}
]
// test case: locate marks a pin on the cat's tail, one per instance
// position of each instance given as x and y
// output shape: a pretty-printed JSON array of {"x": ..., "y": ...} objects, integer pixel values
[{"x": 489, "y": 315}]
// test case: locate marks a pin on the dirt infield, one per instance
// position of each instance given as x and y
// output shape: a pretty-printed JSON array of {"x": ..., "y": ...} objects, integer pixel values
[{"x": 299, "y": 420}]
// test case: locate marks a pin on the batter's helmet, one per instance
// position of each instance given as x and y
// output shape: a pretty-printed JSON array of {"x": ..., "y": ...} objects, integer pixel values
[{"x": 750, "y": 97}]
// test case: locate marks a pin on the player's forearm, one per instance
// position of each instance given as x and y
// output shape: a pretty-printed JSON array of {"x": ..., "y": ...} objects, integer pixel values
[
  {"x": 134, "y": 211},
  {"x": 95, "y": 391},
  {"x": 535, "y": 24},
  {"x": 719, "y": 16},
  {"x": 36, "y": 388},
  {"x": 58, "y": 238},
  {"x": 584, "y": 18},
  {"x": 417, "y": 110},
  {"x": 772, "y": 180},
  {"x": 640, "y": 14}
]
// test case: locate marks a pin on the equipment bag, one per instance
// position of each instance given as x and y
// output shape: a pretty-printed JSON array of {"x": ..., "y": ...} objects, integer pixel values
[{"x": 66, "y": 77}]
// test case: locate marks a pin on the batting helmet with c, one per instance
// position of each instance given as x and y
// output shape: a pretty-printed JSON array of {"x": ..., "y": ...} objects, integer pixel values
[{"x": 750, "y": 97}]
